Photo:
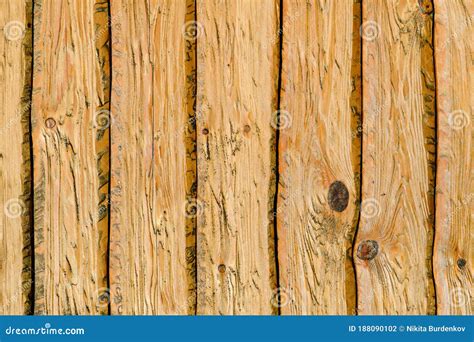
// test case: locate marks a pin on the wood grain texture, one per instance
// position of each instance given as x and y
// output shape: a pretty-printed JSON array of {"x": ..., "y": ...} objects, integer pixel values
[
  {"x": 243, "y": 157},
  {"x": 453, "y": 252},
  {"x": 153, "y": 158},
  {"x": 15, "y": 180},
  {"x": 319, "y": 156},
  {"x": 393, "y": 247},
  {"x": 237, "y": 73},
  {"x": 70, "y": 122}
]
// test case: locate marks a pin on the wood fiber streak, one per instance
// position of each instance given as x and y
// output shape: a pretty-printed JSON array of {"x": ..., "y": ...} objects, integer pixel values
[
  {"x": 394, "y": 240},
  {"x": 70, "y": 121},
  {"x": 237, "y": 69},
  {"x": 319, "y": 156},
  {"x": 453, "y": 252},
  {"x": 152, "y": 243},
  {"x": 15, "y": 180}
]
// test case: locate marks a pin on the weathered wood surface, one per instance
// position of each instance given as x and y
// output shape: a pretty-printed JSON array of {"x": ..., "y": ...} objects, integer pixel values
[
  {"x": 319, "y": 153},
  {"x": 453, "y": 252},
  {"x": 153, "y": 158},
  {"x": 70, "y": 122},
  {"x": 15, "y": 170},
  {"x": 249, "y": 173},
  {"x": 392, "y": 252},
  {"x": 237, "y": 72}
]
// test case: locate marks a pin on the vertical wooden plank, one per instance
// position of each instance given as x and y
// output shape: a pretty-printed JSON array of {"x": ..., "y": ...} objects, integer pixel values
[
  {"x": 153, "y": 158},
  {"x": 70, "y": 120},
  {"x": 453, "y": 252},
  {"x": 237, "y": 89},
  {"x": 392, "y": 253},
  {"x": 15, "y": 170},
  {"x": 319, "y": 156}
]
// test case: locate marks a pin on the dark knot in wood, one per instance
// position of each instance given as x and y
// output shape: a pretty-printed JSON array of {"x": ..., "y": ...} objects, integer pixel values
[
  {"x": 338, "y": 196},
  {"x": 426, "y": 6},
  {"x": 367, "y": 250},
  {"x": 50, "y": 123},
  {"x": 461, "y": 263}
]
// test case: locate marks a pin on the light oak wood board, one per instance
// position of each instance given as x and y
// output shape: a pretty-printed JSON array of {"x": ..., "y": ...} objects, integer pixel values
[
  {"x": 70, "y": 120},
  {"x": 319, "y": 156},
  {"x": 153, "y": 158},
  {"x": 15, "y": 162},
  {"x": 393, "y": 246},
  {"x": 237, "y": 75},
  {"x": 453, "y": 250}
]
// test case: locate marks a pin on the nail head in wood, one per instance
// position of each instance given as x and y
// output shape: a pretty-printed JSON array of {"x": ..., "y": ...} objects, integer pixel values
[
  {"x": 367, "y": 250},
  {"x": 338, "y": 196}
]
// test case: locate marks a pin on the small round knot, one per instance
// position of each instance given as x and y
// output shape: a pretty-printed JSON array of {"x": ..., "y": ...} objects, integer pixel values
[
  {"x": 205, "y": 131},
  {"x": 247, "y": 128},
  {"x": 461, "y": 262},
  {"x": 221, "y": 268},
  {"x": 425, "y": 6},
  {"x": 367, "y": 250},
  {"x": 50, "y": 123}
]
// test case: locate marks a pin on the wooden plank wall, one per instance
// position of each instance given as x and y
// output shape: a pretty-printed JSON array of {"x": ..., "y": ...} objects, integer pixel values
[{"x": 232, "y": 157}]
